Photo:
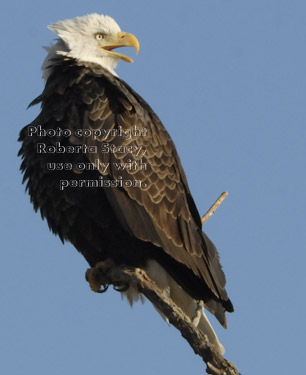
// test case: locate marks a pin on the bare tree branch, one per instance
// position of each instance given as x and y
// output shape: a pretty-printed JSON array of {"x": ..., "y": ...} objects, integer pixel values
[
  {"x": 213, "y": 208},
  {"x": 106, "y": 273}
]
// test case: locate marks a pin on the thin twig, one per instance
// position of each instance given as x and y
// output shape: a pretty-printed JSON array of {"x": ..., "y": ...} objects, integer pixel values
[{"x": 213, "y": 208}]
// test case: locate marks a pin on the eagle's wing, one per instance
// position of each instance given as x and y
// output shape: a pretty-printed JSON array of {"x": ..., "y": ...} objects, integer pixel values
[{"x": 161, "y": 210}]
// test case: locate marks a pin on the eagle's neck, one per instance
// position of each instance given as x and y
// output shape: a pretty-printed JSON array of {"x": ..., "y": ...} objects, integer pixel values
[{"x": 60, "y": 49}]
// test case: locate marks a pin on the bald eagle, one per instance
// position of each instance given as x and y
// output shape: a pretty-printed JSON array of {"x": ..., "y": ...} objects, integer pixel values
[{"x": 105, "y": 174}]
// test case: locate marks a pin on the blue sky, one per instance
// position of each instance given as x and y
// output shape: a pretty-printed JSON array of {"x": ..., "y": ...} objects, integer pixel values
[{"x": 227, "y": 78}]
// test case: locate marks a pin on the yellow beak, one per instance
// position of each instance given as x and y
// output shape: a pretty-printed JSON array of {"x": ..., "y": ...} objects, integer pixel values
[{"x": 121, "y": 39}]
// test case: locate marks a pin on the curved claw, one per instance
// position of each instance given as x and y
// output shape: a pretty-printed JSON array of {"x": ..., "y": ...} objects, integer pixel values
[
  {"x": 121, "y": 289},
  {"x": 105, "y": 287}
]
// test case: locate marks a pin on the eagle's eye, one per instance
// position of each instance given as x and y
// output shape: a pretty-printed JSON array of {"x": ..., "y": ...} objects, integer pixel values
[{"x": 99, "y": 36}]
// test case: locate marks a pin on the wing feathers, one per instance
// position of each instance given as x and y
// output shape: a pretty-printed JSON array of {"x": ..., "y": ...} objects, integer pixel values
[{"x": 161, "y": 210}]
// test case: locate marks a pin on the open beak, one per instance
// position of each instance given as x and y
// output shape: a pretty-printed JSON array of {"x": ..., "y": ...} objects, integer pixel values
[{"x": 121, "y": 39}]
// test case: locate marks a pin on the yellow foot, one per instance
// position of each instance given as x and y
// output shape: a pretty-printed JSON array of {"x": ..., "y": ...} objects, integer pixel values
[{"x": 96, "y": 276}]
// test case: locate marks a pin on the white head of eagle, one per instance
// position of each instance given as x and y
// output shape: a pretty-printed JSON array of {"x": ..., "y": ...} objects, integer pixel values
[{"x": 91, "y": 38}]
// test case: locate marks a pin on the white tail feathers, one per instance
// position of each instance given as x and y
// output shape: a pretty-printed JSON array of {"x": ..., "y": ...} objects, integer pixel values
[{"x": 190, "y": 307}]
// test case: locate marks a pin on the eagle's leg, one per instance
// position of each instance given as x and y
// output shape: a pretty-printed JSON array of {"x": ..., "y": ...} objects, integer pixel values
[
  {"x": 198, "y": 313},
  {"x": 96, "y": 276}
]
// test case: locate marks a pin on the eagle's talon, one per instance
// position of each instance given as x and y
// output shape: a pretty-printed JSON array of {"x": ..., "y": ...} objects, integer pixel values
[
  {"x": 121, "y": 289},
  {"x": 96, "y": 280},
  {"x": 105, "y": 287}
]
